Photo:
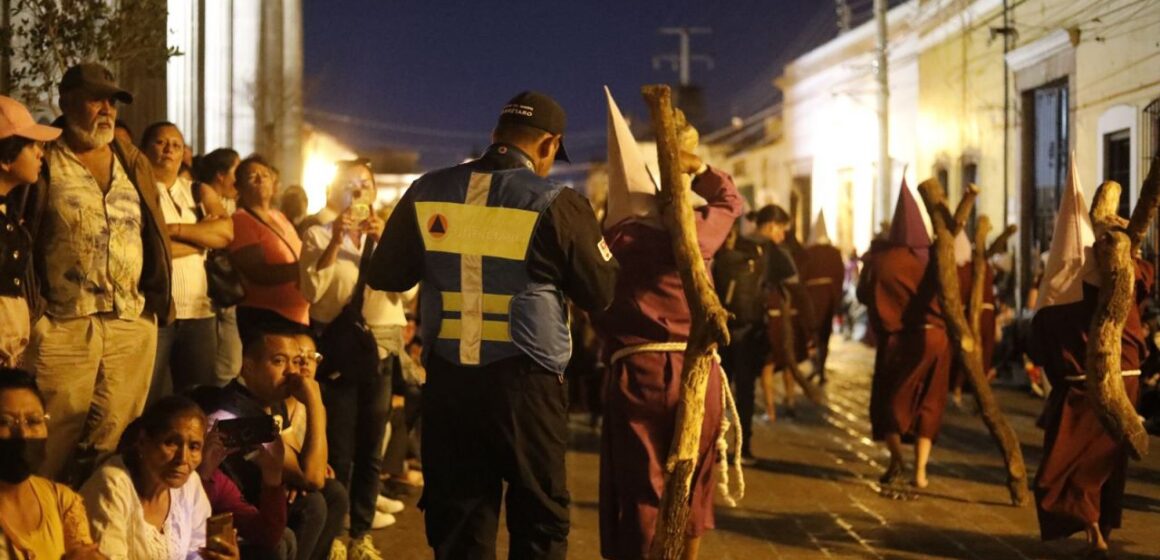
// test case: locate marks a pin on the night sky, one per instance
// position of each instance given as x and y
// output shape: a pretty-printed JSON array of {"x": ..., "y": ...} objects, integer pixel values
[{"x": 433, "y": 75}]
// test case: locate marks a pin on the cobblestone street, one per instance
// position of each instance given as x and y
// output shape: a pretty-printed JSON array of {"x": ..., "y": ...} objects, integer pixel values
[{"x": 814, "y": 493}]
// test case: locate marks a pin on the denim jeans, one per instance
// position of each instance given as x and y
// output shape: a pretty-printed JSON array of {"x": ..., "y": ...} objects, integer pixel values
[
  {"x": 228, "y": 362},
  {"x": 742, "y": 361},
  {"x": 316, "y": 519},
  {"x": 186, "y": 351},
  {"x": 357, "y": 410}
]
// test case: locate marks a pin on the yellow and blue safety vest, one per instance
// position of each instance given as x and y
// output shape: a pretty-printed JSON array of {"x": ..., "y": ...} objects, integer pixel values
[{"x": 478, "y": 303}]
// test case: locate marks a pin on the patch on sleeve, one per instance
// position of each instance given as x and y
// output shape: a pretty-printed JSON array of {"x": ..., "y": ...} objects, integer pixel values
[{"x": 604, "y": 251}]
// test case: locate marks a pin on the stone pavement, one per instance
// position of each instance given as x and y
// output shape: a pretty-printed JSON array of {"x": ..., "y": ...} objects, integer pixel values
[{"x": 814, "y": 493}]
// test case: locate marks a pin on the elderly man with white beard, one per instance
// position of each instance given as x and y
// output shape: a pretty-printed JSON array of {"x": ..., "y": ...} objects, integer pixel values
[{"x": 102, "y": 262}]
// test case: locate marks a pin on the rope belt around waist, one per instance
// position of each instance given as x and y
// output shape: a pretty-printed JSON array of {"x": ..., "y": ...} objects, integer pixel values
[
  {"x": 1125, "y": 373},
  {"x": 819, "y": 281},
  {"x": 777, "y": 312},
  {"x": 650, "y": 347}
]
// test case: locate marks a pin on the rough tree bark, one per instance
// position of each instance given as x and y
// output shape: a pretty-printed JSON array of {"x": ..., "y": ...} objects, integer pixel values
[
  {"x": 709, "y": 325},
  {"x": 967, "y": 351},
  {"x": 1103, "y": 382}
]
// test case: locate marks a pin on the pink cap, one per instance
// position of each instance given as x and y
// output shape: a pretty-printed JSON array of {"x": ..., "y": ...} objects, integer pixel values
[{"x": 15, "y": 120}]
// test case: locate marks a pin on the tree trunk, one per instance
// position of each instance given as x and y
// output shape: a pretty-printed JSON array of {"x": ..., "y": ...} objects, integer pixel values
[
  {"x": 1103, "y": 382},
  {"x": 967, "y": 350},
  {"x": 709, "y": 325}
]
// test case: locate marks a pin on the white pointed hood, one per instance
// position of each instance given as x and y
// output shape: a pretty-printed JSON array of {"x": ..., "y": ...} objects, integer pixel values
[
  {"x": 633, "y": 175},
  {"x": 962, "y": 249},
  {"x": 1069, "y": 261},
  {"x": 818, "y": 234},
  {"x": 631, "y": 191}
]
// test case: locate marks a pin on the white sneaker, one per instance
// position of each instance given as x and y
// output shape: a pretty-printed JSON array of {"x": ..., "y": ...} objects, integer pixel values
[
  {"x": 387, "y": 505},
  {"x": 364, "y": 549},
  {"x": 382, "y": 520},
  {"x": 337, "y": 550}
]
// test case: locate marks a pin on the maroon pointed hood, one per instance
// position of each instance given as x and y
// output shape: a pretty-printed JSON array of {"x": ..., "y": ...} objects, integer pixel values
[{"x": 907, "y": 228}]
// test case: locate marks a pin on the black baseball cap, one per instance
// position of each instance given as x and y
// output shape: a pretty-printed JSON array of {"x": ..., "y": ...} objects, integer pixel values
[
  {"x": 534, "y": 109},
  {"x": 94, "y": 79}
]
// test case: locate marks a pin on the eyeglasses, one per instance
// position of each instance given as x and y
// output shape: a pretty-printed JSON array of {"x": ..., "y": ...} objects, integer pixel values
[
  {"x": 30, "y": 422},
  {"x": 308, "y": 357}
]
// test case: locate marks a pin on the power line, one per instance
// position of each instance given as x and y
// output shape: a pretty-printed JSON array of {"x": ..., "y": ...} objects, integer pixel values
[{"x": 421, "y": 130}]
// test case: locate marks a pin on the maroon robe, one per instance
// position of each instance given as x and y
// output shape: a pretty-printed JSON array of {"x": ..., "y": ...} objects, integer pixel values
[
  {"x": 908, "y": 393},
  {"x": 986, "y": 319},
  {"x": 1081, "y": 478},
  {"x": 822, "y": 274},
  {"x": 642, "y": 390}
]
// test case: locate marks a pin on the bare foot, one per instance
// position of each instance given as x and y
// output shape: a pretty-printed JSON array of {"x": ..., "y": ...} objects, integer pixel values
[
  {"x": 893, "y": 472},
  {"x": 920, "y": 481}
]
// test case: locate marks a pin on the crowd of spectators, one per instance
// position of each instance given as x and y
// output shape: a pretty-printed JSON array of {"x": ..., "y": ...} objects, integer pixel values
[{"x": 163, "y": 318}]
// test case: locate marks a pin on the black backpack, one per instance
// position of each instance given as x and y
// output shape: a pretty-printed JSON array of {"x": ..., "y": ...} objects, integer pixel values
[{"x": 738, "y": 274}]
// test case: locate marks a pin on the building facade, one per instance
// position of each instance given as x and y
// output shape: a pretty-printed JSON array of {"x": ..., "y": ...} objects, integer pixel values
[{"x": 996, "y": 93}]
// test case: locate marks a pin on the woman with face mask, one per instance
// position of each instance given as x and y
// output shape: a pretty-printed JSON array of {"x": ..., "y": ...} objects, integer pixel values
[
  {"x": 38, "y": 518},
  {"x": 146, "y": 502}
]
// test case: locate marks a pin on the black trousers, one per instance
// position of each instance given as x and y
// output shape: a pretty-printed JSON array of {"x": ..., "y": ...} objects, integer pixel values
[
  {"x": 482, "y": 427},
  {"x": 742, "y": 360},
  {"x": 357, "y": 410}
]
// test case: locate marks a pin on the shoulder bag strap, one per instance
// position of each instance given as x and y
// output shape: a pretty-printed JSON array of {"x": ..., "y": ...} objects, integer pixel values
[
  {"x": 272, "y": 229},
  {"x": 363, "y": 264}
]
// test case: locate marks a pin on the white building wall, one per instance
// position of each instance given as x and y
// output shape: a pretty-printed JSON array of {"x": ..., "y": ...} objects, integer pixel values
[{"x": 831, "y": 122}]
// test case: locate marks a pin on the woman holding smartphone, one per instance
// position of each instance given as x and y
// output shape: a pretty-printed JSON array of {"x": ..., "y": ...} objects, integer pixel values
[{"x": 145, "y": 502}]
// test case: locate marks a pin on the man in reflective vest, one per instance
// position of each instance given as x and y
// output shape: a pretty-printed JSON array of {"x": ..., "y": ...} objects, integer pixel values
[{"x": 497, "y": 248}]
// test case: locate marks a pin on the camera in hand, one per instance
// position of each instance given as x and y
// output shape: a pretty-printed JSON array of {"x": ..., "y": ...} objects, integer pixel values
[{"x": 247, "y": 431}]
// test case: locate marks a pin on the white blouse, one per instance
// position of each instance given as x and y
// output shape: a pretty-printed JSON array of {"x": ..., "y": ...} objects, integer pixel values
[
  {"x": 190, "y": 286},
  {"x": 118, "y": 520}
]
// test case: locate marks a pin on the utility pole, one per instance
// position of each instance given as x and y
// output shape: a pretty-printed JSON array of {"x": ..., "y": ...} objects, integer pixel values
[
  {"x": 682, "y": 60},
  {"x": 881, "y": 75},
  {"x": 845, "y": 15}
]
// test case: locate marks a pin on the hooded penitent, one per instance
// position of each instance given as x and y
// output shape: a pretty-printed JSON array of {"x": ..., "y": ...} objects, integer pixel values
[
  {"x": 907, "y": 229},
  {"x": 1069, "y": 261},
  {"x": 632, "y": 176},
  {"x": 818, "y": 234}
]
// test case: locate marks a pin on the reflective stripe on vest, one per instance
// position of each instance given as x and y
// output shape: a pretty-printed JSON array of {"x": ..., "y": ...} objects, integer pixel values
[{"x": 473, "y": 231}]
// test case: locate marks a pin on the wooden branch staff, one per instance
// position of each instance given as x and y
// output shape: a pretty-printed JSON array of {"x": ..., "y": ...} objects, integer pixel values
[
  {"x": 1113, "y": 252},
  {"x": 999, "y": 245},
  {"x": 709, "y": 325},
  {"x": 967, "y": 351},
  {"x": 812, "y": 391}
]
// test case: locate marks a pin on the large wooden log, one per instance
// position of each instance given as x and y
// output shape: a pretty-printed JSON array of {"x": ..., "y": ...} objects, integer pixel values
[
  {"x": 1146, "y": 204},
  {"x": 967, "y": 352},
  {"x": 812, "y": 391},
  {"x": 963, "y": 211},
  {"x": 709, "y": 325},
  {"x": 1103, "y": 383},
  {"x": 999, "y": 245}
]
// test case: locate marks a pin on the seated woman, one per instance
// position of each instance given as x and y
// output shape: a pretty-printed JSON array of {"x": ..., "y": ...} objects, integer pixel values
[
  {"x": 38, "y": 518},
  {"x": 143, "y": 502},
  {"x": 261, "y": 521}
]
